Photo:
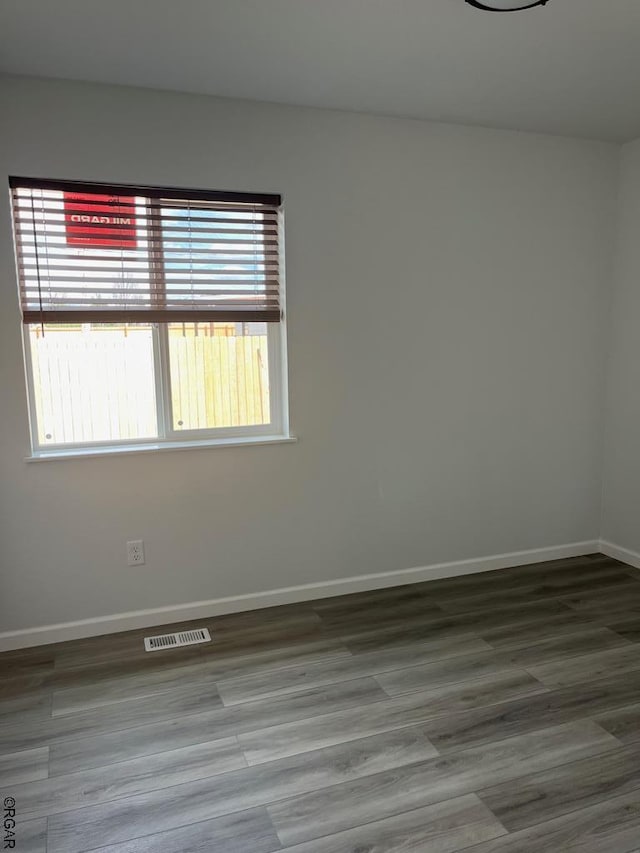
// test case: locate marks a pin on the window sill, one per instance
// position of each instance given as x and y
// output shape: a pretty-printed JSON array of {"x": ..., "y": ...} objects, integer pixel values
[{"x": 161, "y": 447}]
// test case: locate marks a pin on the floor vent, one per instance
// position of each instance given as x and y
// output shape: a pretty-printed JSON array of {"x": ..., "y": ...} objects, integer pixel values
[{"x": 172, "y": 641}]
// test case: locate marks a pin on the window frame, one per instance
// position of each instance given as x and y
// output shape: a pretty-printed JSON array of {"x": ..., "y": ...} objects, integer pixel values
[
  {"x": 164, "y": 406},
  {"x": 277, "y": 430}
]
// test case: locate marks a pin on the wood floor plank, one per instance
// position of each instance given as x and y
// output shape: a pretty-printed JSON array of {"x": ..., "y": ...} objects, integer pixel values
[
  {"x": 190, "y": 803},
  {"x": 622, "y": 723},
  {"x": 378, "y": 616},
  {"x": 462, "y": 668},
  {"x": 26, "y": 734},
  {"x": 69, "y": 754},
  {"x": 127, "y": 778},
  {"x": 150, "y": 668},
  {"x": 324, "y": 730},
  {"x": 406, "y": 633},
  {"x": 548, "y": 794},
  {"x": 588, "y": 667},
  {"x": 600, "y": 601},
  {"x": 28, "y": 706},
  {"x": 437, "y": 674},
  {"x": 31, "y": 836},
  {"x": 341, "y": 604},
  {"x": 614, "y": 583},
  {"x": 525, "y": 633},
  {"x": 25, "y": 685},
  {"x": 569, "y": 647},
  {"x": 627, "y": 628},
  {"x": 28, "y": 765},
  {"x": 416, "y": 631},
  {"x": 164, "y": 678},
  {"x": 592, "y": 565},
  {"x": 392, "y": 792},
  {"x": 32, "y": 661},
  {"x": 556, "y": 576},
  {"x": 246, "y": 832},
  {"x": 440, "y": 828},
  {"x": 506, "y": 719},
  {"x": 245, "y": 634},
  {"x": 141, "y": 686},
  {"x": 291, "y": 679},
  {"x": 612, "y": 826},
  {"x": 123, "y": 712},
  {"x": 608, "y": 615}
]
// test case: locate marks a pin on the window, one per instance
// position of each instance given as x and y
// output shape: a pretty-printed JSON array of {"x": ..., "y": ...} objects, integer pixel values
[{"x": 151, "y": 315}]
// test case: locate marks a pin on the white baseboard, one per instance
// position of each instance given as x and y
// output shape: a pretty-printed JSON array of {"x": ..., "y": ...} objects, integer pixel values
[
  {"x": 617, "y": 552},
  {"x": 45, "y": 634}
]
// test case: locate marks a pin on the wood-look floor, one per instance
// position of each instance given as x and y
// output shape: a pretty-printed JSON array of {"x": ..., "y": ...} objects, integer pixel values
[{"x": 495, "y": 713}]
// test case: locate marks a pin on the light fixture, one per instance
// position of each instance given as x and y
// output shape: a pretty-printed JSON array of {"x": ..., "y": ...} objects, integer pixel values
[{"x": 506, "y": 5}]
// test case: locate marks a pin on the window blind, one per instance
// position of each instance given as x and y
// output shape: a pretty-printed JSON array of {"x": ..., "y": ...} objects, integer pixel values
[{"x": 103, "y": 253}]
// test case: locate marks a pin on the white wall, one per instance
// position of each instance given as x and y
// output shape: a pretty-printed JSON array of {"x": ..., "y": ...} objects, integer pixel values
[
  {"x": 451, "y": 410},
  {"x": 621, "y": 495}
]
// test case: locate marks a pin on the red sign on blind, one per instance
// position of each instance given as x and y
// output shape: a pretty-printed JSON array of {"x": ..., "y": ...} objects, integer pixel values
[{"x": 100, "y": 220}]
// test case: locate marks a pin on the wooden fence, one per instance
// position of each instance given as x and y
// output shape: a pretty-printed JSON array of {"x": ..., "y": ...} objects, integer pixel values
[
  {"x": 99, "y": 386},
  {"x": 218, "y": 381}
]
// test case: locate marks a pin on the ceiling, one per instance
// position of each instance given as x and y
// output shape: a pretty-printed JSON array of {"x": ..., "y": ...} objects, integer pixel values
[{"x": 571, "y": 68}]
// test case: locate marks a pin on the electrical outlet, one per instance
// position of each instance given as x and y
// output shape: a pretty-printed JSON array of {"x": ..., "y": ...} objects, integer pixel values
[{"x": 135, "y": 552}]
